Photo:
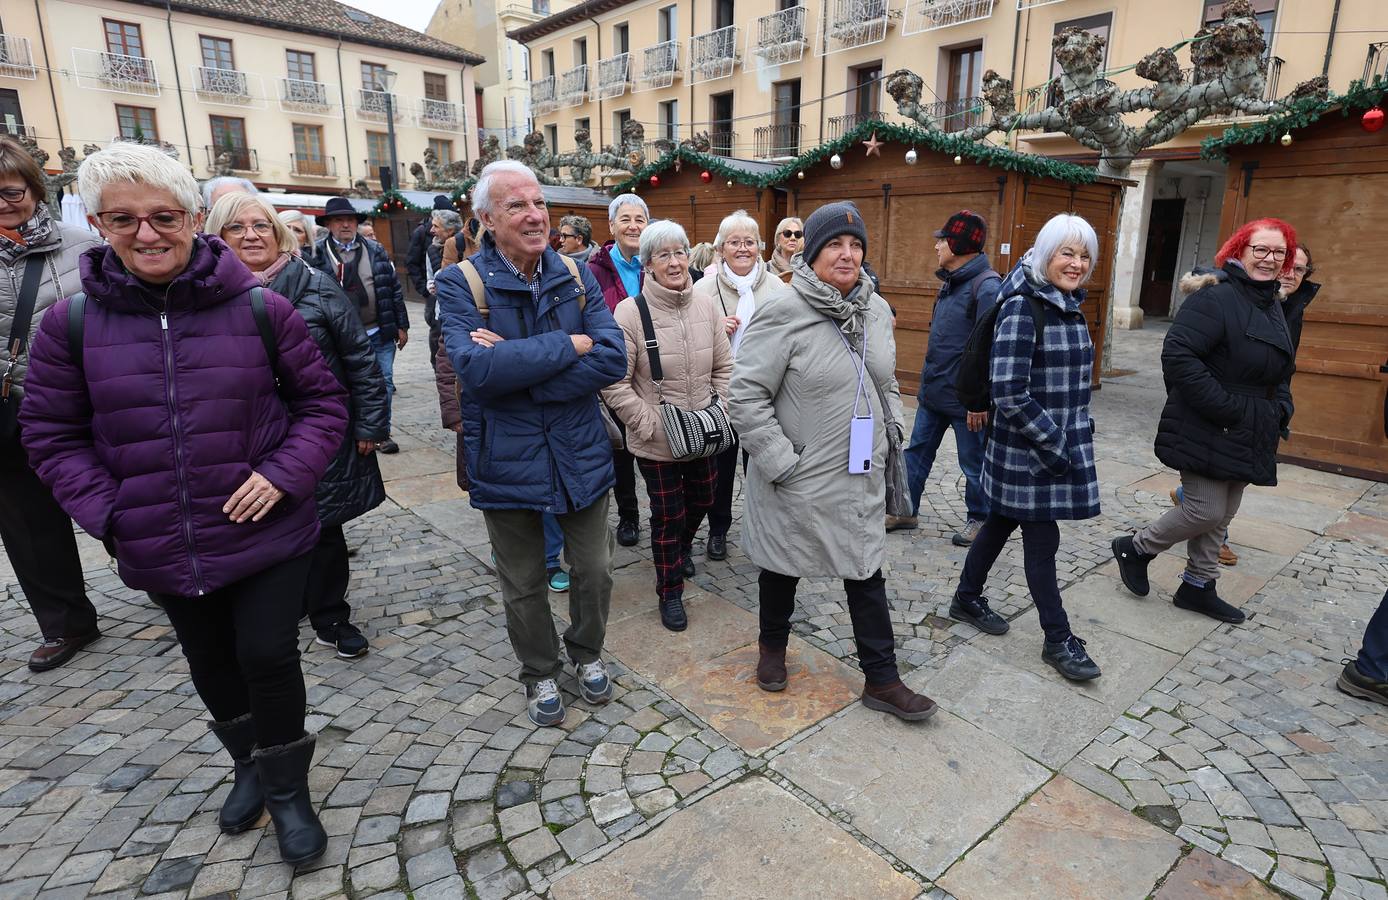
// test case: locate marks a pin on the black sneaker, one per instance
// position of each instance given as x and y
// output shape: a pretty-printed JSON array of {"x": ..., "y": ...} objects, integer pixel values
[
  {"x": 977, "y": 614},
  {"x": 1132, "y": 566},
  {"x": 672, "y": 614},
  {"x": 344, "y": 636},
  {"x": 1357, "y": 684},
  {"x": 628, "y": 532},
  {"x": 1070, "y": 659},
  {"x": 1206, "y": 602},
  {"x": 388, "y": 446},
  {"x": 687, "y": 568},
  {"x": 717, "y": 547}
]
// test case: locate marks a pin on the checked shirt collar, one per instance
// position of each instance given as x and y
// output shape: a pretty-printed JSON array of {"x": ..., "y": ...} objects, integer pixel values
[{"x": 533, "y": 284}]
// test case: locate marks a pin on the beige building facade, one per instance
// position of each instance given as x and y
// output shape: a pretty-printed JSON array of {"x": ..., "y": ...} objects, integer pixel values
[{"x": 292, "y": 95}]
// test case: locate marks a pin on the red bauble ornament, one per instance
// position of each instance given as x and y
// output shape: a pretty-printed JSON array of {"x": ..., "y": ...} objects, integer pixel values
[
  {"x": 1372, "y": 120},
  {"x": 655, "y": 181},
  {"x": 705, "y": 177}
]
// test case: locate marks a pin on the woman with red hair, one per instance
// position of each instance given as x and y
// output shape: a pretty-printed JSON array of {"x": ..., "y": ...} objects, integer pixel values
[{"x": 1227, "y": 363}]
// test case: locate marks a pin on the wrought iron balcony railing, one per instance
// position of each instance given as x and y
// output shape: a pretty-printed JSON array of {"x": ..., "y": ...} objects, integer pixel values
[
  {"x": 780, "y": 37},
  {"x": 722, "y": 141},
  {"x": 542, "y": 96},
  {"x": 958, "y": 114},
  {"x": 440, "y": 115},
  {"x": 313, "y": 97},
  {"x": 313, "y": 166},
  {"x": 17, "y": 130},
  {"x": 852, "y": 23},
  {"x": 221, "y": 85},
  {"x": 1376, "y": 61},
  {"x": 928, "y": 15},
  {"x": 660, "y": 66},
  {"x": 713, "y": 54},
  {"x": 573, "y": 86},
  {"x": 779, "y": 140},
  {"x": 372, "y": 106},
  {"x": 841, "y": 125},
  {"x": 614, "y": 76},
  {"x": 241, "y": 159},
  {"x": 16, "y": 58},
  {"x": 102, "y": 71}
]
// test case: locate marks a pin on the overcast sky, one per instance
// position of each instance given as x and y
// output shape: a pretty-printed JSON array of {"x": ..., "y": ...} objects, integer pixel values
[{"x": 410, "y": 13}]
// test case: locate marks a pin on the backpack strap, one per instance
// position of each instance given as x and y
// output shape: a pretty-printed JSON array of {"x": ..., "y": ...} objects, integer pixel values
[
  {"x": 652, "y": 345},
  {"x": 263, "y": 325},
  {"x": 76, "y": 325},
  {"x": 974, "y": 284},
  {"x": 1038, "y": 315},
  {"x": 572, "y": 265},
  {"x": 474, "y": 283}
]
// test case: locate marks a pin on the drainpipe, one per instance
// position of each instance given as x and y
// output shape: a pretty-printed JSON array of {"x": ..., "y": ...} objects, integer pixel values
[
  {"x": 462, "y": 96},
  {"x": 823, "y": 65},
  {"x": 346, "y": 132},
  {"x": 48, "y": 69},
  {"x": 597, "y": 40},
  {"x": 178, "y": 82},
  {"x": 1330, "y": 41}
]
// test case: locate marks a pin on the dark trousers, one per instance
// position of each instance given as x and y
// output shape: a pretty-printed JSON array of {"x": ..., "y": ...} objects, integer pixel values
[
  {"x": 325, "y": 596},
  {"x": 1373, "y": 656},
  {"x": 242, "y": 646},
  {"x": 624, "y": 492},
  {"x": 1040, "y": 541},
  {"x": 720, "y": 518},
  {"x": 41, "y": 547},
  {"x": 867, "y": 607},
  {"x": 681, "y": 494}
]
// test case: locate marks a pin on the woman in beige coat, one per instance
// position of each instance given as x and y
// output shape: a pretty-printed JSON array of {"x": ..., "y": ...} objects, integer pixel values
[
  {"x": 696, "y": 363},
  {"x": 815, "y": 366}
]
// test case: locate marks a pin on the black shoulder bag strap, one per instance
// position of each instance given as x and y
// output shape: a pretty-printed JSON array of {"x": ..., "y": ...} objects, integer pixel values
[
  {"x": 23, "y": 316},
  {"x": 267, "y": 331},
  {"x": 652, "y": 347},
  {"x": 76, "y": 324}
]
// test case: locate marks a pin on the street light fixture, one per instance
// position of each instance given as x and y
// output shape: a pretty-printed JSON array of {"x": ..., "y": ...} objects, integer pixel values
[{"x": 385, "y": 81}]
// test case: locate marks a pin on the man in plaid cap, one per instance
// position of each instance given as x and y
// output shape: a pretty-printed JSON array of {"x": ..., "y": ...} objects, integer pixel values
[{"x": 970, "y": 288}]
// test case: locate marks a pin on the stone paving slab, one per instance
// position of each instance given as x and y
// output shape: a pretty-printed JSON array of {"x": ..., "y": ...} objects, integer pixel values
[
  {"x": 417, "y": 490},
  {"x": 716, "y": 627},
  {"x": 1065, "y": 843},
  {"x": 1099, "y": 599},
  {"x": 1201, "y": 876},
  {"x": 418, "y": 461},
  {"x": 751, "y": 840},
  {"x": 1367, "y": 529}
]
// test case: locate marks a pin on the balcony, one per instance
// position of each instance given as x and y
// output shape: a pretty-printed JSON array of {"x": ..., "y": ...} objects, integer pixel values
[
  {"x": 313, "y": 166},
  {"x": 227, "y": 87},
  {"x": 852, "y": 23},
  {"x": 542, "y": 96},
  {"x": 573, "y": 86},
  {"x": 841, "y": 125},
  {"x": 713, "y": 54},
  {"x": 780, "y": 38},
  {"x": 315, "y": 98},
  {"x": 722, "y": 141},
  {"x": 372, "y": 105},
  {"x": 16, "y": 59},
  {"x": 660, "y": 66},
  {"x": 440, "y": 115},
  {"x": 779, "y": 141},
  {"x": 958, "y": 114},
  {"x": 1374, "y": 61},
  {"x": 101, "y": 71},
  {"x": 929, "y": 15},
  {"x": 507, "y": 137},
  {"x": 241, "y": 159},
  {"x": 614, "y": 76},
  {"x": 14, "y": 129}
]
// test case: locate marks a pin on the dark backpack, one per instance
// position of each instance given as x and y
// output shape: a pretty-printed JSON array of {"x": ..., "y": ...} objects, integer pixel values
[{"x": 974, "y": 381}]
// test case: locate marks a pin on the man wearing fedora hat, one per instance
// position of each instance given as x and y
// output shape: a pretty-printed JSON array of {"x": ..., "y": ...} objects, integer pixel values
[{"x": 366, "y": 274}]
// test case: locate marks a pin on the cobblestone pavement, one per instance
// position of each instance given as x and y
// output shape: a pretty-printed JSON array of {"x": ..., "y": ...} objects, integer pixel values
[{"x": 1206, "y": 759}]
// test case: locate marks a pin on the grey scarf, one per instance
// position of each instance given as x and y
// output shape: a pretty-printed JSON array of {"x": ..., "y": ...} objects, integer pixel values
[{"x": 849, "y": 312}]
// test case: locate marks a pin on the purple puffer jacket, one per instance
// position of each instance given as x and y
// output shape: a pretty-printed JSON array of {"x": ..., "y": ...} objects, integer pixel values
[{"x": 167, "y": 415}]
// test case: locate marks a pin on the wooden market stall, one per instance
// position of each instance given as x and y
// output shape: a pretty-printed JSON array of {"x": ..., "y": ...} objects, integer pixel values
[
  {"x": 683, "y": 194},
  {"x": 1329, "y": 183}
]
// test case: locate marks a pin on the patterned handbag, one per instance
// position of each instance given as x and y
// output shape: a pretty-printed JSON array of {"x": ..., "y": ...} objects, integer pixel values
[{"x": 693, "y": 434}]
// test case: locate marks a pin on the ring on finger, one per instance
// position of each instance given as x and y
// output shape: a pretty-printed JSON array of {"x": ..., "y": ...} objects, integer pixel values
[{"x": 259, "y": 502}]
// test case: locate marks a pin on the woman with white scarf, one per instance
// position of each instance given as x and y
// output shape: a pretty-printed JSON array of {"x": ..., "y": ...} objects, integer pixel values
[{"x": 741, "y": 284}]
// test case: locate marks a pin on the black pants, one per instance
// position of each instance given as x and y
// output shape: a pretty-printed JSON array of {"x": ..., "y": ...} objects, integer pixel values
[
  {"x": 41, "y": 547},
  {"x": 720, "y": 518},
  {"x": 625, "y": 490},
  {"x": 325, "y": 597},
  {"x": 867, "y": 607},
  {"x": 242, "y": 646},
  {"x": 1040, "y": 541}
]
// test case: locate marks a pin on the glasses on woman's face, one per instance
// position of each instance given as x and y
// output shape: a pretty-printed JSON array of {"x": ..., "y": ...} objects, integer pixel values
[
  {"x": 740, "y": 245},
  {"x": 567, "y": 237},
  {"x": 236, "y": 229},
  {"x": 1261, "y": 252},
  {"x": 795, "y": 235},
  {"x": 164, "y": 221},
  {"x": 13, "y": 194},
  {"x": 667, "y": 255}
]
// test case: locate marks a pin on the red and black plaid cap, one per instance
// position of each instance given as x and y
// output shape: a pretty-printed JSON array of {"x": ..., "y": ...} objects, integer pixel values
[{"x": 965, "y": 232}]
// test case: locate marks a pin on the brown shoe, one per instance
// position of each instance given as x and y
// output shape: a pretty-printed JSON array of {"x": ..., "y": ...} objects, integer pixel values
[
  {"x": 899, "y": 700},
  {"x": 53, "y": 653},
  {"x": 1227, "y": 557},
  {"x": 902, "y": 523},
  {"x": 771, "y": 668}
]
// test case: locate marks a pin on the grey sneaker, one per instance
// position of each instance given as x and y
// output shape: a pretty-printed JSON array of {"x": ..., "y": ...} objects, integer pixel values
[
  {"x": 966, "y": 537},
  {"x": 543, "y": 703},
  {"x": 593, "y": 681}
]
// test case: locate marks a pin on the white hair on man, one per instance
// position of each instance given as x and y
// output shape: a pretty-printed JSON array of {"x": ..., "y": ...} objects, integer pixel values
[
  {"x": 449, "y": 219},
  {"x": 1062, "y": 229},
  {"x": 662, "y": 234},
  {"x": 127, "y": 161},
  {"x": 622, "y": 200},
  {"x": 737, "y": 222},
  {"x": 211, "y": 186},
  {"x": 482, "y": 201}
]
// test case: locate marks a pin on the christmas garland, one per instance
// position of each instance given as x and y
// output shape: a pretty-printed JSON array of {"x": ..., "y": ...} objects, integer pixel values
[
  {"x": 394, "y": 201},
  {"x": 1302, "y": 113}
]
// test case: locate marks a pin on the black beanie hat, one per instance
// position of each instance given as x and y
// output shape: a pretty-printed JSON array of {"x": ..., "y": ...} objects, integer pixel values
[
  {"x": 441, "y": 201},
  {"x": 830, "y": 221}
]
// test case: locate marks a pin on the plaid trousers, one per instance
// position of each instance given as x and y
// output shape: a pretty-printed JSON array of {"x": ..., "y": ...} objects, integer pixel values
[{"x": 681, "y": 495}]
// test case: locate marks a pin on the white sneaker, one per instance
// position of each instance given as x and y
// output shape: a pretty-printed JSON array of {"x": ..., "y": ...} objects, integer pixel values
[
  {"x": 593, "y": 681},
  {"x": 543, "y": 703}
]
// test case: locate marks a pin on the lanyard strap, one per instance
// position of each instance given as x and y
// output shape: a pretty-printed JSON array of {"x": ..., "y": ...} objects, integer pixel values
[{"x": 860, "y": 363}]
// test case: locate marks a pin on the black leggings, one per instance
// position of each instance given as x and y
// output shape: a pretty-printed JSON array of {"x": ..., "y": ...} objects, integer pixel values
[{"x": 242, "y": 646}]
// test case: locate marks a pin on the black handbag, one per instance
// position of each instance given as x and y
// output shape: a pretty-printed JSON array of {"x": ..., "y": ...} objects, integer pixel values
[
  {"x": 693, "y": 434},
  {"x": 18, "y": 343}
]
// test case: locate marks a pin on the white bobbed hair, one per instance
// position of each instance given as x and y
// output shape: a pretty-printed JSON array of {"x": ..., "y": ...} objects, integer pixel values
[
  {"x": 659, "y": 235},
  {"x": 1062, "y": 229},
  {"x": 737, "y": 222},
  {"x": 127, "y": 161}
]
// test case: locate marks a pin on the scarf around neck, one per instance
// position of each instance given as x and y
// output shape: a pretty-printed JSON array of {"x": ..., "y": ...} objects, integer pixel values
[
  {"x": 269, "y": 274},
  {"x": 37, "y": 231},
  {"x": 746, "y": 300},
  {"x": 849, "y": 313}
]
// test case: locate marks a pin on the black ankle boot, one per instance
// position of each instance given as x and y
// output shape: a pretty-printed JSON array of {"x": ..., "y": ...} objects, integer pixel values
[
  {"x": 1205, "y": 601},
  {"x": 284, "y": 776},
  {"x": 244, "y": 804}
]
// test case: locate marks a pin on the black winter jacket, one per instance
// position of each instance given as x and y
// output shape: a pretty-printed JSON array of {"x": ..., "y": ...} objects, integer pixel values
[
  {"x": 390, "y": 297},
  {"x": 352, "y": 485},
  {"x": 1227, "y": 362},
  {"x": 1294, "y": 310},
  {"x": 420, "y": 239}
]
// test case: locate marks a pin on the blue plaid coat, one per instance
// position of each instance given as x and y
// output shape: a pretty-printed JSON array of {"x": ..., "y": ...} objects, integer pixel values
[{"x": 1039, "y": 462}]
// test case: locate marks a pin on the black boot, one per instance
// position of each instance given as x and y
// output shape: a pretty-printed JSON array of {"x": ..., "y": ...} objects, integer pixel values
[
  {"x": 244, "y": 804},
  {"x": 1206, "y": 602},
  {"x": 672, "y": 614},
  {"x": 284, "y": 775},
  {"x": 1132, "y": 566}
]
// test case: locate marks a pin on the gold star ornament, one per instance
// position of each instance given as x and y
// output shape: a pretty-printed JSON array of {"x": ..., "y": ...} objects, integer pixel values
[{"x": 873, "y": 145}]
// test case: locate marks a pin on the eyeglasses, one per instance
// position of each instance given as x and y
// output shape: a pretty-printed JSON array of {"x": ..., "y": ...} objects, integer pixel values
[
  {"x": 1301, "y": 271},
  {"x": 1261, "y": 252},
  {"x": 792, "y": 234},
  {"x": 13, "y": 195},
  {"x": 741, "y": 245},
  {"x": 567, "y": 237},
  {"x": 164, "y": 221},
  {"x": 236, "y": 229},
  {"x": 667, "y": 255}
]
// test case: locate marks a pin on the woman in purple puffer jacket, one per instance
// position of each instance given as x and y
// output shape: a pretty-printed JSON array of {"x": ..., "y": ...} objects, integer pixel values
[{"x": 155, "y": 417}]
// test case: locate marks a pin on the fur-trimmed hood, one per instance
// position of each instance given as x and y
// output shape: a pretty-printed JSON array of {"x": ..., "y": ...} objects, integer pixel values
[{"x": 1200, "y": 277}]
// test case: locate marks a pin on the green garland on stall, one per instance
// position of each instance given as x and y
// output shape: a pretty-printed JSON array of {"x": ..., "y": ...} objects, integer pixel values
[
  {"x": 938, "y": 141},
  {"x": 394, "y": 201},
  {"x": 1306, "y": 111}
]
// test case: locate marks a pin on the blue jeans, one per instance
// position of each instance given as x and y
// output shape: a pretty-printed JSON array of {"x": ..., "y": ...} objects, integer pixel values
[
  {"x": 554, "y": 540},
  {"x": 384, "y": 348},
  {"x": 1373, "y": 656},
  {"x": 926, "y": 435}
]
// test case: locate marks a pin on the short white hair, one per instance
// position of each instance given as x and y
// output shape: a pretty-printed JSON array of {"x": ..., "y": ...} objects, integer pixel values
[
  {"x": 482, "y": 191},
  {"x": 127, "y": 161},
  {"x": 1063, "y": 229},
  {"x": 734, "y": 222},
  {"x": 447, "y": 218},
  {"x": 297, "y": 215},
  {"x": 209, "y": 187},
  {"x": 660, "y": 234},
  {"x": 622, "y": 200}
]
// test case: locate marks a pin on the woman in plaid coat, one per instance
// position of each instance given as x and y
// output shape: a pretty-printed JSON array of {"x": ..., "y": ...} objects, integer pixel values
[{"x": 1039, "y": 463}]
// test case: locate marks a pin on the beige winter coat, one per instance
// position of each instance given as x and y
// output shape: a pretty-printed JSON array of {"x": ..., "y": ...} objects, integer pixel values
[
  {"x": 791, "y": 402},
  {"x": 720, "y": 292},
  {"x": 694, "y": 356}
]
